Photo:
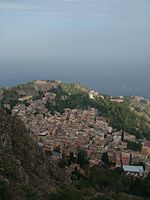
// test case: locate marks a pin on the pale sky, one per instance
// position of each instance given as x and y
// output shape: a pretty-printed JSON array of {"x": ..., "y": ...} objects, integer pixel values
[{"x": 75, "y": 29}]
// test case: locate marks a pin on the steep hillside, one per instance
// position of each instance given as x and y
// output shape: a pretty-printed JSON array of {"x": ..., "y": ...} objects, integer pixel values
[
  {"x": 25, "y": 172},
  {"x": 141, "y": 107}
]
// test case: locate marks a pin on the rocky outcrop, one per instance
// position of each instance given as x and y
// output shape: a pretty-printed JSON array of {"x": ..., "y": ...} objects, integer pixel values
[{"x": 22, "y": 163}]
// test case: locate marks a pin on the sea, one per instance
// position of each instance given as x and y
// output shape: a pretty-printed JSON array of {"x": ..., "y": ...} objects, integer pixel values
[{"x": 112, "y": 78}]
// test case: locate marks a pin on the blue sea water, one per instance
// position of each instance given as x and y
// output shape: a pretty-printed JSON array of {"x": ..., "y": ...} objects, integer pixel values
[
  {"x": 113, "y": 78},
  {"x": 103, "y": 44}
]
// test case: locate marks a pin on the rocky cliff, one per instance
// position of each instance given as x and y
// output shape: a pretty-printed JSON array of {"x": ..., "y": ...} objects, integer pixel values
[{"x": 25, "y": 172}]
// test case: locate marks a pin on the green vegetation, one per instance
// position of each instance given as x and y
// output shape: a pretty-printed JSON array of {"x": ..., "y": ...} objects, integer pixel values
[
  {"x": 75, "y": 175},
  {"x": 7, "y": 168},
  {"x": 135, "y": 146},
  {"x": 103, "y": 184},
  {"x": 105, "y": 158},
  {"x": 4, "y": 191},
  {"x": 10, "y": 97},
  {"x": 19, "y": 179},
  {"x": 82, "y": 158},
  {"x": 38, "y": 95},
  {"x": 65, "y": 194},
  {"x": 118, "y": 115},
  {"x": 63, "y": 163},
  {"x": 106, "y": 183},
  {"x": 72, "y": 158},
  {"x": 27, "y": 192},
  {"x": 115, "y": 181},
  {"x": 101, "y": 178}
]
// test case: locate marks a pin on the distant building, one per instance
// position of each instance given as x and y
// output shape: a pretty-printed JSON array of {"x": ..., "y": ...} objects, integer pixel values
[
  {"x": 146, "y": 148},
  {"x": 109, "y": 129},
  {"x": 25, "y": 98},
  {"x": 133, "y": 170},
  {"x": 129, "y": 137},
  {"x": 93, "y": 94},
  {"x": 125, "y": 158},
  {"x": 118, "y": 159},
  {"x": 40, "y": 82},
  {"x": 43, "y": 133}
]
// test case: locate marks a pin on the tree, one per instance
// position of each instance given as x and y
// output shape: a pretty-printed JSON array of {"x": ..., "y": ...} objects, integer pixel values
[
  {"x": 63, "y": 163},
  {"x": 82, "y": 158},
  {"x": 105, "y": 158},
  {"x": 72, "y": 158},
  {"x": 135, "y": 146},
  {"x": 4, "y": 191}
]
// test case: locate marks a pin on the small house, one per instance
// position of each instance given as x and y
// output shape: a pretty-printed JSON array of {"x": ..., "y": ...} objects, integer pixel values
[{"x": 133, "y": 170}]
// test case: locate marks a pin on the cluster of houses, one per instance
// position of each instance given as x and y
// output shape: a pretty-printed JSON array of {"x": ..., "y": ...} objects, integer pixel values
[{"x": 61, "y": 134}]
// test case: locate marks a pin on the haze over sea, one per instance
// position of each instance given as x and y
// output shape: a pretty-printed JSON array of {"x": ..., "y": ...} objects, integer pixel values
[{"x": 103, "y": 44}]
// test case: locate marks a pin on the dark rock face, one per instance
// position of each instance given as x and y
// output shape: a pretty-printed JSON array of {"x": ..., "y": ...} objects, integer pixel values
[{"x": 22, "y": 162}]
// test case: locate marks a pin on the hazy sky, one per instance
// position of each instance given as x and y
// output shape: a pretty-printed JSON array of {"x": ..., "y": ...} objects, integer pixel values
[{"x": 81, "y": 29}]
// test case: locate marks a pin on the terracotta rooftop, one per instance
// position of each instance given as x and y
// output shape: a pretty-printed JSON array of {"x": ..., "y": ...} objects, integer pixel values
[{"x": 147, "y": 143}]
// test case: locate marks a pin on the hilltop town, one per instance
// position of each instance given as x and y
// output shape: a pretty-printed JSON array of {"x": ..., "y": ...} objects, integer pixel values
[
  {"x": 72, "y": 137},
  {"x": 60, "y": 134},
  {"x": 83, "y": 129}
]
